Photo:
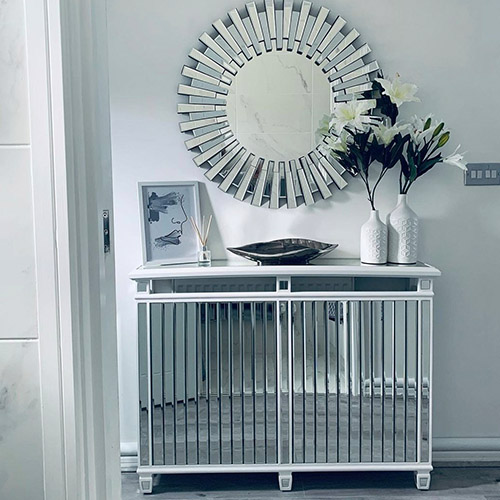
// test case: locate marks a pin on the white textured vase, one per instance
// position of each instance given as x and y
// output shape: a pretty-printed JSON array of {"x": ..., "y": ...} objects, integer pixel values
[
  {"x": 402, "y": 223},
  {"x": 374, "y": 240}
]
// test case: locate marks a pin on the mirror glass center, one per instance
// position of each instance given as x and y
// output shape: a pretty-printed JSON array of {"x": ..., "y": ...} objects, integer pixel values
[{"x": 275, "y": 105}]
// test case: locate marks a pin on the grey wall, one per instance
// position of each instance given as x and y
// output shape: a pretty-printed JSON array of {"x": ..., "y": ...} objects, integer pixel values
[
  {"x": 451, "y": 49},
  {"x": 20, "y": 415}
]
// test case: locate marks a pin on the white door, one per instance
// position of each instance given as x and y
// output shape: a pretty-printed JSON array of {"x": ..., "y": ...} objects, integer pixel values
[{"x": 69, "y": 108}]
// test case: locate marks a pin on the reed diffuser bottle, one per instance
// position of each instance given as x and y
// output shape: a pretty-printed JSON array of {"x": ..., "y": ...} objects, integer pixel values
[{"x": 204, "y": 255}]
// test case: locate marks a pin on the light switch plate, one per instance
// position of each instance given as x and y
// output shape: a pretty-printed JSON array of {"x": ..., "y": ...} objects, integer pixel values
[{"x": 482, "y": 174}]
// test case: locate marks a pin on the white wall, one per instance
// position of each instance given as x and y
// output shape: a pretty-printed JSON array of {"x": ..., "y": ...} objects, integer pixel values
[
  {"x": 451, "y": 49},
  {"x": 20, "y": 414}
]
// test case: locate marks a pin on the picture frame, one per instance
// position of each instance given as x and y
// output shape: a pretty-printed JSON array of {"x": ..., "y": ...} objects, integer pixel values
[{"x": 166, "y": 231}]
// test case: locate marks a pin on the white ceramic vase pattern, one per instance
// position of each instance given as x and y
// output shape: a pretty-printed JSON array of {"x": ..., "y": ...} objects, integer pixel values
[
  {"x": 374, "y": 240},
  {"x": 402, "y": 223}
]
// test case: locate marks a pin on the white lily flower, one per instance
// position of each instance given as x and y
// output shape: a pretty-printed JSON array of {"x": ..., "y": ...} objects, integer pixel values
[
  {"x": 456, "y": 159},
  {"x": 385, "y": 134},
  {"x": 417, "y": 132},
  {"x": 351, "y": 114},
  {"x": 399, "y": 92},
  {"x": 339, "y": 144}
]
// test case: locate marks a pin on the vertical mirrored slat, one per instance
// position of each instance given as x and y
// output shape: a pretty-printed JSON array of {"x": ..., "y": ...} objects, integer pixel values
[
  {"x": 412, "y": 377},
  {"x": 236, "y": 376},
  {"x": 305, "y": 420},
  {"x": 315, "y": 380},
  {"x": 394, "y": 383},
  {"x": 180, "y": 376},
  {"x": 198, "y": 369},
  {"x": 220, "y": 385},
  {"x": 168, "y": 395},
  {"x": 185, "y": 364},
  {"x": 366, "y": 384},
  {"x": 418, "y": 366},
  {"x": 387, "y": 388},
  {"x": 248, "y": 386},
  {"x": 426, "y": 364},
  {"x": 279, "y": 381},
  {"x": 382, "y": 378},
  {"x": 274, "y": 356},
  {"x": 143, "y": 384},
  {"x": 354, "y": 384},
  {"x": 202, "y": 385},
  {"x": 230, "y": 351},
  {"x": 405, "y": 382},
  {"x": 157, "y": 382},
  {"x": 173, "y": 330},
  {"x": 343, "y": 397},
  {"x": 348, "y": 374},
  {"x": 289, "y": 311},
  {"x": 378, "y": 377},
  {"x": 253, "y": 321},
  {"x": 264, "y": 381},
  {"x": 400, "y": 381}
]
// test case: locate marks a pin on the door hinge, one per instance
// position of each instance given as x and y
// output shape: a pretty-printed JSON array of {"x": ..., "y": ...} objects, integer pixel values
[{"x": 105, "y": 231}]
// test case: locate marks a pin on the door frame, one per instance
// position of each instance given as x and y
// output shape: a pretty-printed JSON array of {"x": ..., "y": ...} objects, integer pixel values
[{"x": 70, "y": 152}]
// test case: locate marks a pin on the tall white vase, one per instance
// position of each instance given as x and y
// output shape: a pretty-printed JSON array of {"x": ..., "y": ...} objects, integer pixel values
[
  {"x": 374, "y": 240},
  {"x": 402, "y": 223}
]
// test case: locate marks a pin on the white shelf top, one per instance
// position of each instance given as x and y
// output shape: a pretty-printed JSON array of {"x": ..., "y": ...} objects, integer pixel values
[{"x": 319, "y": 267}]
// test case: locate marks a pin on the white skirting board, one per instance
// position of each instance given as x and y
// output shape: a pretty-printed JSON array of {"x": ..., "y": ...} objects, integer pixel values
[{"x": 445, "y": 450}]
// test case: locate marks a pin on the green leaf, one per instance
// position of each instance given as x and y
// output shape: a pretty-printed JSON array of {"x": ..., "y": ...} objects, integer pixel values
[
  {"x": 443, "y": 139},
  {"x": 428, "y": 164}
]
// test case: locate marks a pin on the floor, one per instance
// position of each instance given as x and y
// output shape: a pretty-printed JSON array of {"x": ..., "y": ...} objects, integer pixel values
[{"x": 451, "y": 481}]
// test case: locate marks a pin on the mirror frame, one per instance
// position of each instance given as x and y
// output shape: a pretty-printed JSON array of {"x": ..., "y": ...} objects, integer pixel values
[{"x": 320, "y": 36}]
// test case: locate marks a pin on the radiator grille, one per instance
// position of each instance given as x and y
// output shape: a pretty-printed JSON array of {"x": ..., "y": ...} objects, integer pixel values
[{"x": 282, "y": 382}]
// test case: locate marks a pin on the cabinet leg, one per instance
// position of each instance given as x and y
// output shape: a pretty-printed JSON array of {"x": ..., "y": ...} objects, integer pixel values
[
  {"x": 146, "y": 483},
  {"x": 285, "y": 481},
  {"x": 422, "y": 480}
]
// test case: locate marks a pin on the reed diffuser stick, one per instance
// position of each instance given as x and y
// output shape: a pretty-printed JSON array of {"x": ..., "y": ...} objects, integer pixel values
[{"x": 203, "y": 233}]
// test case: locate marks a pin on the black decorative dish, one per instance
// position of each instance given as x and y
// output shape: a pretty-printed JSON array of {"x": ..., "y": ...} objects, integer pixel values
[{"x": 288, "y": 251}]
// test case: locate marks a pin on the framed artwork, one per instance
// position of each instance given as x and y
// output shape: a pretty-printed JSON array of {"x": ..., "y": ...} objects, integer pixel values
[{"x": 167, "y": 234}]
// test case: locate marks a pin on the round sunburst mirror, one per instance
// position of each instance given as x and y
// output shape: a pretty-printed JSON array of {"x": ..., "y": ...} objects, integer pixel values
[{"x": 259, "y": 84}]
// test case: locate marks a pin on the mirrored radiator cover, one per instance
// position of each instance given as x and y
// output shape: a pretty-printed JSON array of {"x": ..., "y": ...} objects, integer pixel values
[
  {"x": 326, "y": 372},
  {"x": 217, "y": 396}
]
